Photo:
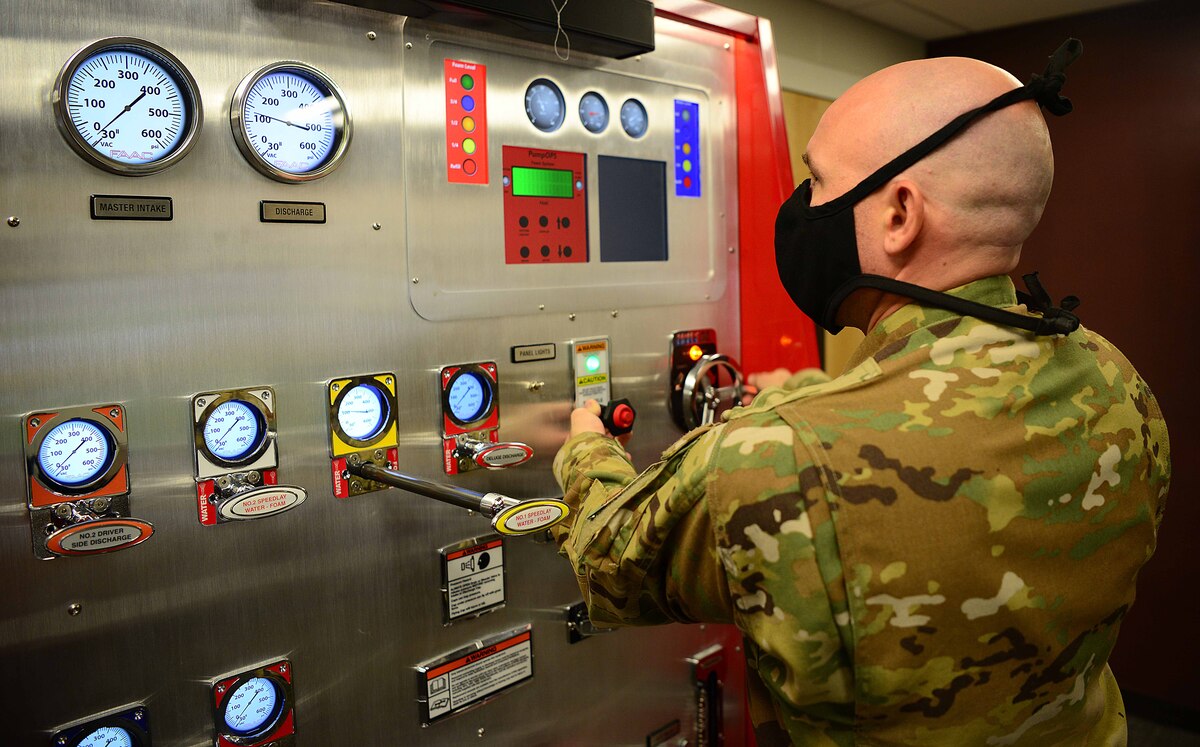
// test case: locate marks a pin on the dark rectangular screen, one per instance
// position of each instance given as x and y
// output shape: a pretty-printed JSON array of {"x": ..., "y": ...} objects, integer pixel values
[{"x": 633, "y": 210}]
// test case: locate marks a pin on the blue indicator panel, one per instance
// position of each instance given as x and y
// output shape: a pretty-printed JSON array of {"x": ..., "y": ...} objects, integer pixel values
[{"x": 687, "y": 149}]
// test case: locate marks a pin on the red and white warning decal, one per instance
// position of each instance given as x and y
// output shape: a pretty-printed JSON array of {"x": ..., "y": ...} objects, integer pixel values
[{"x": 469, "y": 676}]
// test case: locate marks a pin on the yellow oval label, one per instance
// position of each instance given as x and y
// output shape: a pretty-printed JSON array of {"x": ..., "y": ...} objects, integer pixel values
[{"x": 531, "y": 516}]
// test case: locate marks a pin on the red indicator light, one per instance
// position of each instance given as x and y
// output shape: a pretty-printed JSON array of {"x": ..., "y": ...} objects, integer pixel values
[{"x": 695, "y": 352}]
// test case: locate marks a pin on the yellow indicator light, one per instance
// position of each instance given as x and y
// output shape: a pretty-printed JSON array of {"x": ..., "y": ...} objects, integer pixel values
[
  {"x": 468, "y": 124},
  {"x": 695, "y": 352}
]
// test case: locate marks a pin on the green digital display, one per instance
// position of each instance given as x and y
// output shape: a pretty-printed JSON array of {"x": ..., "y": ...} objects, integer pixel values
[{"x": 527, "y": 182}]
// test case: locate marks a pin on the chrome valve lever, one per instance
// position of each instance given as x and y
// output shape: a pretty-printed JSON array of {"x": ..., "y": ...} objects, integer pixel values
[
  {"x": 508, "y": 515},
  {"x": 492, "y": 455}
]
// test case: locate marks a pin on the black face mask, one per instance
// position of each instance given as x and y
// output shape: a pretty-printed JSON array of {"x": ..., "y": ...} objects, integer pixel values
[{"x": 816, "y": 251}]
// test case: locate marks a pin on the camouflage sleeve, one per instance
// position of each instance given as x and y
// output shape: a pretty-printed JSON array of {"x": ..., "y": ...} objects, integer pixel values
[
  {"x": 642, "y": 546},
  {"x": 805, "y": 377}
]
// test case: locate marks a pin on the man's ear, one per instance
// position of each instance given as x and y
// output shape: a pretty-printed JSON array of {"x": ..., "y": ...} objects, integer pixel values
[{"x": 904, "y": 216}]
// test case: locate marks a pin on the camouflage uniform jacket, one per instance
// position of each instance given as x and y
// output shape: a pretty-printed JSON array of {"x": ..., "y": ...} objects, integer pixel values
[{"x": 935, "y": 548}]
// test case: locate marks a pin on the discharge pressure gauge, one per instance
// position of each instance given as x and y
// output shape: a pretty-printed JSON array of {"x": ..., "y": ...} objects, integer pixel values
[
  {"x": 290, "y": 121},
  {"x": 75, "y": 454},
  {"x": 468, "y": 396},
  {"x": 633, "y": 118},
  {"x": 362, "y": 412},
  {"x": 127, "y": 106},
  {"x": 544, "y": 105},
  {"x": 255, "y": 708},
  {"x": 593, "y": 112},
  {"x": 234, "y": 431},
  {"x": 107, "y": 736}
]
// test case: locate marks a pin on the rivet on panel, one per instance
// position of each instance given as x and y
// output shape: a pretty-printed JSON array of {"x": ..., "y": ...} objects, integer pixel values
[
  {"x": 387, "y": 380},
  {"x": 100, "y": 505},
  {"x": 371, "y": 36},
  {"x": 732, "y": 250},
  {"x": 481, "y": 732},
  {"x": 408, "y": 45},
  {"x": 139, "y": 714},
  {"x": 541, "y": 307},
  {"x": 376, "y": 226},
  {"x": 615, "y": 313},
  {"x": 34, "y": 422},
  {"x": 571, "y": 317},
  {"x": 416, "y": 280},
  {"x": 335, "y": 387},
  {"x": 727, "y": 47},
  {"x": 115, "y": 413},
  {"x": 74, "y": 609},
  {"x": 14, "y": 221}
]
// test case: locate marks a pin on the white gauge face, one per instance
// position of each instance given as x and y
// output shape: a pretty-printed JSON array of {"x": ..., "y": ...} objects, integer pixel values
[
  {"x": 233, "y": 431},
  {"x": 74, "y": 453},
  {"x": 363, "y": 412},
  {"x": 633, "y": 118},
  {"x": 252, "y": 705},
  {"x": 593, "y": 112},
  {"x": 128, "y": 107},
  {"x": 468, "y": 398},
  {"x": 544, "y": 105},
  {"x": 293, "y": 120},
  {"x": 107, "y": 736}
]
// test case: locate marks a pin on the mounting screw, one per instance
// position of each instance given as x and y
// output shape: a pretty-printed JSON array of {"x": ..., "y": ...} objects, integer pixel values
[
  {"x": 223, "y": 481},
  {"x": 220, "y": 689},
  {"x": 541, "y": 307},
  {"x": 115, "y": 412},
  {"x": 34, "y": 422},
  {"x": 335, "y": 386},
  {"x": 266, "y": 395},
  {"x": 62, "y": 740},
  {"x": 253, "y": 478},
  {"x": 571, "y": 317},
  {"x": 535, "y": 385},
  {"x": 355, "y": 485},
  {"x": 283, "y": 668},
  {"x": 63, "y": 510},
  {"x": 74, "y": 608},
  {"x": 201, "y": 402},
  {"x": 100, "y": 505},
  {"x": 387, "y": 380},
  {"x": 14, "y": 221},
  {"x": 615, "y": 313},
  {"x": 376, "y": 226},
  {"x": 353, "y": 460},
  {"x": 731, "y": 250},
  {"x": 727, "y": 46},
  {"x": 139, "y": 714},
  {"x": 416, "y": 280},
  {"x": 371, "y": 36},
  {"x": 481, "y": 732},
  {"x": 379, "y": 453},
  {"x": 408, "y": 45}
]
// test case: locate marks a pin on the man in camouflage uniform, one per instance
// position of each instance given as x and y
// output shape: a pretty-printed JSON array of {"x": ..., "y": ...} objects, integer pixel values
[{"x": 936, "y": 547}]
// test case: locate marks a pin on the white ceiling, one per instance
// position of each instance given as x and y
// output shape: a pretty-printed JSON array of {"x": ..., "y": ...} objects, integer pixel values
[{"x": 940, "y": 19}]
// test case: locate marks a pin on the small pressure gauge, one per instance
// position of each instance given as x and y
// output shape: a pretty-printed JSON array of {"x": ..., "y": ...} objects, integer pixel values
[
  {"x": 290, "y": 122},
  {"x": 633, "y": 118},
  {"x": 234, "y": 431},
  {"x": 593, "y": 112},
  {"x": 75, "y": 454},
  {"x": 107, "y": 736},
  {"x": 255, "y": 707},
  {"x": 127, "y": 106}
]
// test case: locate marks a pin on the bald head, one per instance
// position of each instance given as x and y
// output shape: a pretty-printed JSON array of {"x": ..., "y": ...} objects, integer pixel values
[{"x": 982, "y": 192}]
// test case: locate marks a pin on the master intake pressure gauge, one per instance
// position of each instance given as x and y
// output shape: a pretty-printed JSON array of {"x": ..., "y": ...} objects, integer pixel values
[
  {"x": 127, "y": 106},
  {"x": 290, "y": 121},
  {"x": 544, "y": 105}
]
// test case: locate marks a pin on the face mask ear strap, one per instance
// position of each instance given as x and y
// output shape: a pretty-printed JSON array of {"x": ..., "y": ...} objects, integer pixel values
[{"x": 1044, "y": 88}]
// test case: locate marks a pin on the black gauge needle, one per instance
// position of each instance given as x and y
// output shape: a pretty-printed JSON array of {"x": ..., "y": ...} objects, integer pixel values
[
  {"x": 221, "y": 440},
  {"x": 249, "y": 703},
  {"x": 124, "y": 111},
  {"x": 277, "y": 119},
  {"x": 62, "y": 466}
]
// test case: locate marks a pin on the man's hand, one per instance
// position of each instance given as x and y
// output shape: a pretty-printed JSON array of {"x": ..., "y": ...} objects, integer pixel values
[
  {"x": 756, "y": 382},
  {"x": 586, "y": 419}
]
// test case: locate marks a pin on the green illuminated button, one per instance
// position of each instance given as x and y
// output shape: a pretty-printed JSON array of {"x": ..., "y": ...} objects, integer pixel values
[
  {"x": 468, "y": 146},
  {"x": 467, "y": 82},
  {"x": 592, "y": 363}
]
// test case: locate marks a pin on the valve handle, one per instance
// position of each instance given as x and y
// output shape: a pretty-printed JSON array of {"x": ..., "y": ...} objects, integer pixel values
[{"x": 618, "y": 416}]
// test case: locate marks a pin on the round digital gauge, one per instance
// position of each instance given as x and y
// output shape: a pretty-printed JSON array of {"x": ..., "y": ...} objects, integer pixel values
[
  {"x": 468, "y": 397},
  {"x": 290, "y": 122},
  {"x": 75, "y": 454},
  {"x": 362, "y": 412},
  {"x": 127, "y": 106},
  {"x": 234, "y": 431},
  {"x": 633, "y": 118},
  {"x": 253, "y": 707},
  {"x": 544, "y": 105},
  {"x": 107, "y": 736},
  {"x": 593, "y": 112}
]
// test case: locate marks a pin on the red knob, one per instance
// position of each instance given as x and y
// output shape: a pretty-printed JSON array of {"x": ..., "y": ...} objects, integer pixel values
[{"x": 623, "y": 416}]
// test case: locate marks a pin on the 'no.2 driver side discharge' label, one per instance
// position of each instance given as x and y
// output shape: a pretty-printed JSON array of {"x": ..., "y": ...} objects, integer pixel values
[{"x": 468, "y": 676}]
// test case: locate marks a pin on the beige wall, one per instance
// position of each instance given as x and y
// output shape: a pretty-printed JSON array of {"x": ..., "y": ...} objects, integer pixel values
[{"x": 822, "y": 51}]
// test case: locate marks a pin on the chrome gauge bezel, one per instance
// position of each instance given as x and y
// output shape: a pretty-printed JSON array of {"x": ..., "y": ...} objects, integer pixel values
[
  {"x": 193, "y": 109},
  {"x": 584, "y": 120},
  {"x": 266, "y": 424},
  {"x": 117, "y": 454},
  {"x": 550, "y": 85},
  {"x": 489, "y": 390},
  {"x": 342, "y": 122}
]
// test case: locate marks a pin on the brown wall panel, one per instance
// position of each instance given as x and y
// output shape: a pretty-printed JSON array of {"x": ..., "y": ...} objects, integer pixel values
[{"x": 1122, "y": 232}]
